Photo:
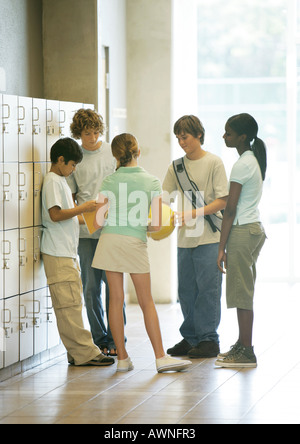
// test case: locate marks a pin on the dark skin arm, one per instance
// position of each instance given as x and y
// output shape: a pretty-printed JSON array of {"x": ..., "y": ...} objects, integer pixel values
[{"x": 228, "y": 219}]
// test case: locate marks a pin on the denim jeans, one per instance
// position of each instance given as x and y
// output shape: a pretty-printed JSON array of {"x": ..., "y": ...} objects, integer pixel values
[
  {"x": 92, "y": 279},
  {"x": 199, "y": 290}
]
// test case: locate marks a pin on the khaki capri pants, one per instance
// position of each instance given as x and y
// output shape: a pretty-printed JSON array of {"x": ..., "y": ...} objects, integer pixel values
[{"x": 243, "y": 248}]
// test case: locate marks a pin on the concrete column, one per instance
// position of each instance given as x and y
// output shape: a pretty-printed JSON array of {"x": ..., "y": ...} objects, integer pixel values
[{"x": 149, "y": 49}]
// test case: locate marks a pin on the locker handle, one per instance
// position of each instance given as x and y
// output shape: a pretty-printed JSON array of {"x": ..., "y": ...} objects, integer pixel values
[
  {"x": 21, "y": 173},
  {"x": 38, "y": 114},
  {"x": 9, "y": 317},
  {"x": 22, "y": 240},
  {"x": 39, "y": 307},
  {"x": 9, "y": 247},
  {"x": 8, "y": 109},
  {"x": 25, "y": 311},
  {"x": 64, "y": 116},
  {"x": 51, "y": 115},
  {"x": 24, "y": 113},
  {"x": 5, "y": 174}
]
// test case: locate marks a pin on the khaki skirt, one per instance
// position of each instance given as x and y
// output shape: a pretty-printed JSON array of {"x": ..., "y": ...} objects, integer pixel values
[{"x": 119, "y": 253}]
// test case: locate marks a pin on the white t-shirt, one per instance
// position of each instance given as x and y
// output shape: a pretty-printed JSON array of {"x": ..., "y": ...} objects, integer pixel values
[
  {"x": 59, "y": 238},
  {"x": 209, "y": 175},
  {"x": 86, "y": 180},
  {"x": 246, "y": 172}
]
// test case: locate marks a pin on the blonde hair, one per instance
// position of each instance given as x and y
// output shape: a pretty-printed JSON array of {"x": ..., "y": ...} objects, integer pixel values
[{"x": 125, "y": 148}]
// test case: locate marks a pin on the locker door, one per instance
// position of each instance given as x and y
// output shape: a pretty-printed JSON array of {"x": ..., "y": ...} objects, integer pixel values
[
  {"x": 1, "y": 130},
  {"x": 26, "y": 326},
  {"x": 40, "y": 320},
  {"x": 10, "y": 128},
  {"x": 26, "y": 259},
  {"x": 11, "y": 328},
  {"x": 26, "y": 194},
  {"x": 2, "y": 333},
  {"x": 10, "y": 253},
  {"x": 53, "y": 336},
  {"x": 39, "y": 277},
  {"x": 1, "y": 266},
  {"x": 10, "y": 196},
  {"x": 39, "y": 172},
  {"x": 52, "y": 113},
  {"x": 67, "y": 111},
  {"x": 39, "y": 130},
  {"x": 25, "y": 129},
  {"x": 1, "y": 196}
]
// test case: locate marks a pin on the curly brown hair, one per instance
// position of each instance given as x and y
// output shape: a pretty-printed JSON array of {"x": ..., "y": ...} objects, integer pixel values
[{"x": 86, "y": 119}]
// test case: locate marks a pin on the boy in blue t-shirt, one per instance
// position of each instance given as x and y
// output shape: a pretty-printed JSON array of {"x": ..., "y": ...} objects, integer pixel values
[{"x": 59, "y": 248}]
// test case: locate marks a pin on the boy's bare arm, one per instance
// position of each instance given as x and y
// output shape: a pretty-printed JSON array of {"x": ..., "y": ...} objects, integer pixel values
[{"x": 58, "y": 215}]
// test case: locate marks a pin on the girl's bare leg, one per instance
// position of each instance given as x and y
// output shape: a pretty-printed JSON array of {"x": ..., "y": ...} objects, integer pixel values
[
  {"x": 116, "y": 319},
  {"x": 142, "y": 284}
]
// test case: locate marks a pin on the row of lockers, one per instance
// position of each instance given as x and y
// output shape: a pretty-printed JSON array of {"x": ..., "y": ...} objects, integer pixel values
[
  {"x": 28, "y": 130},
  {"x": 31, "y": 126},
  {"x": 28, "y": 326}
]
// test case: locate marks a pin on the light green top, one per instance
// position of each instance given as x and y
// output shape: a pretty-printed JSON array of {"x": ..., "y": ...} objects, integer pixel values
[{"x": 130, "y": 191}]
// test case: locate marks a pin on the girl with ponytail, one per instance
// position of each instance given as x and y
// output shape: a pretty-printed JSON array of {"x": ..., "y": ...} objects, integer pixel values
[
  {"x": 128, "y": 194},
  {"x": 242, "y": 234}
]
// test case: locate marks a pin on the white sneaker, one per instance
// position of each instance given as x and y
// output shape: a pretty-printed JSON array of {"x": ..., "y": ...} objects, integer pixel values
[
  {"x": 167, "y": 364},
  {"x": 125, "y": 365}
]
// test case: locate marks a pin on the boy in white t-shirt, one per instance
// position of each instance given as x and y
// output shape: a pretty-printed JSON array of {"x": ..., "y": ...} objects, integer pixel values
[{"x": 59, "y": 248}]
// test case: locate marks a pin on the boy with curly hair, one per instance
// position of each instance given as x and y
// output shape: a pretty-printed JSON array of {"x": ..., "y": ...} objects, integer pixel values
[{"x": 97, "y": 163}]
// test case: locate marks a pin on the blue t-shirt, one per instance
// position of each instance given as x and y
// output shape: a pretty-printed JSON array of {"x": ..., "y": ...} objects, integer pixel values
[
  {"x": 246, "y": 172},
  {"x": 130, "y": 191}
]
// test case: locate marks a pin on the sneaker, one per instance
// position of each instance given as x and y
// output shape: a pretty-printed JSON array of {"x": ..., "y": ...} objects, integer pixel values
[
  {"x": 233, "y": 348},
  {"x": 205, "y": 349},
  {"x": 167, "y": 364},
  {"x": 243, "y": 357},
  {"x": 180, "y": 349},
  {"x": 125, "y": 365},
  {"x": 100, "y": 361}
]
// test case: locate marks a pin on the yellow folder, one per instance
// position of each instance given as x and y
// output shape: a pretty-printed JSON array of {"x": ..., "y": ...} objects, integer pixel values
[{"x": 89, "y": 221}]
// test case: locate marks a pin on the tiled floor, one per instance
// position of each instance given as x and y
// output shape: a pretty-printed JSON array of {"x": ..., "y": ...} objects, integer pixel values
[{"x": 57, "y": 393}]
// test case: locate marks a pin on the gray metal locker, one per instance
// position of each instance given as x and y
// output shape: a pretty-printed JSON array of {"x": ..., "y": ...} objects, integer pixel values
[
  {"x": 25, "y": 190},
  {"x": 10, "y": 128},
  {"x": 67, "y": 111},
  {"x": 26, "y": 325},
  {"x": 39, "y": 126},
  {"x": 1, "y": 129},
  {"x": 39, "y": 172},
  {"x": 39, "y": 276},
  {"x": 2, "y": 333},
  {"x": 10, "y": 253},
  {"x": 25, "y": 129},
  {"x": 10, "y": 196},
  {"x": 26, "y": 259},
  {"x": 53, "y": 134},
  {"x": 53, "y": 336},
  {"x": 11, "y": 319},
  {"x": 40, "y": 320}
]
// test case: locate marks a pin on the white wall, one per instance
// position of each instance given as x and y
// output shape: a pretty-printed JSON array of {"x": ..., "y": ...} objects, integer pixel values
[{"x": 112, "y": 34}]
